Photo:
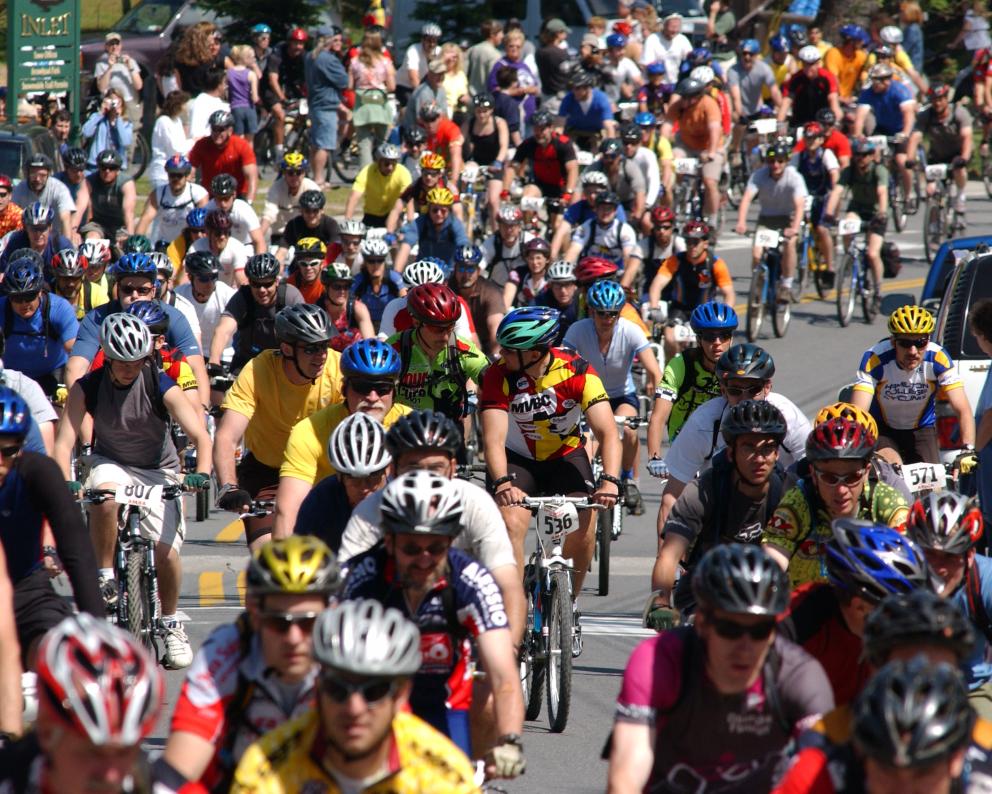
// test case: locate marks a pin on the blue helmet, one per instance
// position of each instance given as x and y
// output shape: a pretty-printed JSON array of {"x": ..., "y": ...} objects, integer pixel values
[
  {"x": 152, "y": 313},
  {"x": 712, "y": 316},
  {"x": 196, "y": 218},
  {"x": 37, "y": 214},
  {"x": 441, "y": 263},
  {"x": 260, "y": 29},
  {"x": 645, "y": 119},
  {"x": 873, "y": 561},
  {"x": 658, "y": 67},
  {"x": 700, "y": 56},
  {"x": 752, "y": 46},
  {"x": 15, "y": 416},
  {"x": 370, "y": 358},
  {"x": 468, "y": 255},
  {"x": 606, "y": 296},
  {"x": 135, "y": 265},
  {"x": 529, "y": 328},
  {"x": 779, "y": 43},
  {"x": 616, "y": 40},
  {"x": 23, "y": 276},
  {"x": 855, "y": 32}
]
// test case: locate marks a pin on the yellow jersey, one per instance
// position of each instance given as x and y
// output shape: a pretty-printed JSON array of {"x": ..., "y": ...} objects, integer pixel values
[
  {"x": 846, "y": 70},
  {"x": 421, "y": 761},
  {"x": 381, "y": 191},
  {"x": 273, "y": 405},
  {"x": 91, "y": 295}
]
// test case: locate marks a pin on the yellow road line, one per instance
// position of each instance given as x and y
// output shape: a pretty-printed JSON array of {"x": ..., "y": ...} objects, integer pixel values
[
  {"x": 242, "y": 575},
  {"x": 232, "y": 531},
  {"x": 211, "y": 588},
  {"x": 888, "y": 286}
]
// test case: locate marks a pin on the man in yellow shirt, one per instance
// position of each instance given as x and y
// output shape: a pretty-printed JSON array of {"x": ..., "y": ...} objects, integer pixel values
[
  {"x": 382, "y": 183},
  {"x": 273, "y": 392},
  {"x": 847, "y": 61},
  {"x": 371, "y": 369}
]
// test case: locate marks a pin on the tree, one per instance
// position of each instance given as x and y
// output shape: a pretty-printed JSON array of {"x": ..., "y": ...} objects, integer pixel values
[{"x": 281, "y": 15}]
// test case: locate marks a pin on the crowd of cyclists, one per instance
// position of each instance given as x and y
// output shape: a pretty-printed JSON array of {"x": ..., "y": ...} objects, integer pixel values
[{"x": 514, "y": 280}]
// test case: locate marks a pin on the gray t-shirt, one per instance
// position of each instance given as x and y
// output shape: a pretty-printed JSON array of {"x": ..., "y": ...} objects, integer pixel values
[
  {"x": 777, "y": 196},
  {"x": 30, "y": 391},
  {"x": 55, "y": 194},
  {"x": 628, "y": 180},
  {"x": 750, "y": 83},
  {"x": 614, "y": 367}
]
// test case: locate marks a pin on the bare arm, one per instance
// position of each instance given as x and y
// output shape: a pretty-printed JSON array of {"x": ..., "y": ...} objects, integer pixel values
[
  {"x": 68, "y": 429},
  {"x": 959, "y": 402},
  {"x": 223, "y": 335},
  {"x": 498, "y": 655},
  {"x": 199, "y": 367},
  {"x": 11, "y": 704},
  {"x": 673, "y": 490},
  {"x": 82, "y": 205},
  {"x": 229, "y": 432},
  {"x": 189, "y": 754},
  {"x": 289, "y": 497},
  {"x": 363, "y": 320},
  {"x": 631, "y": 758},
  {"x": 258, "y": 240},
  {"x": 129, "y": 200},
  {"x": 352, "y": 204},
  {"x": 672, "y": 548},
  {"x": 250, "y": 171},
  {"x": 192, "y": 425},
  {"x": 650, "y": 363},
  {"x": 147, "y": 215},
  {"x": 656, "y": 424}
]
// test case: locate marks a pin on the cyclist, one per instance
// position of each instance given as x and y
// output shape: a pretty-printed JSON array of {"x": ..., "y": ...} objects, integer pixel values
[
  {"x": 700, "y": 135},
  {"x": 251, "y": 313},
  {"x": 311, "y": 222},
  {"x": 245, "y": 226},
  {"x": 594, "y": 182},
  {"x": 893, "y": 107},
  {"x": 730, "y": 502},
  {"x": 112, "y": 193},
  {"x": 836, "y": 141},
  {"x": 99, "y": 697},
  {"x": 528, "y": 281},
  {"x": 11, "y": 714},
  {"x": 42, "y": 410},
  {"x": 255, "y": 673},
  {"x": 686, "y": 691},
  {"x": 275, "y": 390},
  {"x": 374, "y": 284},
  {"x": 166, "y": 208},
  {"x": 443, "y": 136},
  {"x": 869, "y": 187},
  {"x": 130, "y": 404},
  {"x": 221, "y": 151},
  {"x": 36, "y": 234},
  {"x": 503, "y": 251},
  {"x": 820, "y": 170},
  {"x": 948, "y": 127},
  {"x": 483, "y": 298},
  {"x": 487, "y": 150},
  {"x": 591, "y": 269},
  {"x": 624, "y": 177},
  {"x": 413, "y": 200},
  {"x": 348, "y": 247},
  {"x": 38, "y": 187},
  {"x": 413, "y": 148},
  {"x": 370, "y": 369},
  {"x": 688, "y": 279},
  {"x": 165, "y": 292},
  {"x": 647, "y": 161},
  {"x": 809, "y": 91},
  {"x": 747, "y": 81},
  {"x": 782, "y": 63},
  {"x": 207, "y": 294},
  {"x": 453, "y": 599},
  {"x": 585, "y": 114},
  {"x": 381, "y": 183},
  {"x": 304, "y": 273},
  {"x": 283, "y": 197},
  {"x": 899, "y": 379},
  {"x": 533, "y": 399},
  {"x": 610, "y": 344},
  {"x": 658, "y": 246},
  {"x": 196, "y": 229},
  {"x": 362, "y": 728},
  {"x": 545, "y": 162},
  {"x": 837, "y": 485},
  {"x": 561, "y": 294},
  {"x": 846, "y": 61},
  {"x": 660, "y": 147},
  {"x": 349, "y": 315},
  {"x": 607, "y": 237},
  {"x": 436, "y": 234},
  {"x": 232, "y": 254},
  {"x": 781, "y": 191},
  {"x": 396, "y": 316}
]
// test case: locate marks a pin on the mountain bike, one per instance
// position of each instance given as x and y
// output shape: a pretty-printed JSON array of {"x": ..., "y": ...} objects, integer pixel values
[
  {"x": 901, "y": 203},
  {"x": 855, "y": 278},
  {"x": 546, "y": 653},
  {"x": 940, "y": 220},
  {"x": 687, "y": 201},
  {"x": 763, "y": 294},
  {"x": 473, "y": 198}
]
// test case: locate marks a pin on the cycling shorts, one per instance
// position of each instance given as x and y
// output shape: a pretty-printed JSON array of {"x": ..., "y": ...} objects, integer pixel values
[
  {"x": 255, "y": 477},
  {"x": 548, "y": 191},
  {"x": 37, "y": 608},
  {"x": 918, "y": 445},
  {"x": 777, "y": 222},
  {"x": 568, "y": 474},
  {"x": 624, "y": 399}
]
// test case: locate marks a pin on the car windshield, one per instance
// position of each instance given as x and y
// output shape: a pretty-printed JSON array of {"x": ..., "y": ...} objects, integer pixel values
[
  {"x": 10, "y": 158},
  {"x": 981, "y": 290},
  {"x": 149, "y": 16}
]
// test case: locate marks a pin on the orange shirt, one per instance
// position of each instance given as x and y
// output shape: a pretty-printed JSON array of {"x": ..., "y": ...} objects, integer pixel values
[
  {"x": 312, "y": 292},
  {"x": 694, "y": 121},
  {"x": 440, "y": 143},
  {"x": 846, "y": 70},
  {"x": 10, "y": 219}
]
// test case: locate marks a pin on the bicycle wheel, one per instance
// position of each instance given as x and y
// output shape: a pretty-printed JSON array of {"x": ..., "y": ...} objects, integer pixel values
[
  {"x": 347, "y": 161},
  {"x": 845, "y": 290},
  {"x": 897, "y": 199},
  {"x": 933, "y": 227},
  {"x": 868, "y": 289},
  {"x": 781, "y": 317},
  {"x": 559, "y": 673},
  {"x": 139, "y": 614},
  {"x": 604, "y": 538},
  {"x": 756, "y": 303},
  {"x": 138, "y": 157},
  {"x": 533, "y": 665},
  {"x": 264, "y": 150}
]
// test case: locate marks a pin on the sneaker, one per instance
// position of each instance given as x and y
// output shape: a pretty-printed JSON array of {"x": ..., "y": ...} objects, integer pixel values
[
  {"x": 576, "y": 632},
  {"x": 178, "y": 653},
  {"x": 635, "y": 502},
  {"x": 784, "y": 293},
  {"x": 108, "y": 589},
  {"x": 828, "y": 277}
]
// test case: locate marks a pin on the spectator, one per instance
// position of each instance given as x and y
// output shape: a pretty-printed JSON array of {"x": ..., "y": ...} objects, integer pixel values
[
  {"x": 975, "y": 30},
  {"x": 108, "y": 129},
  {"x": 552, "y": 63},
  {"x": 669, "y": 46},
  {"x": 528, "y": 50},
  {"x": 60, "y": 131},
  {"x": 528, "y": 87},
  {"x": 371, "y": 76},
  {"x": 117, "y": 70},
  {"x": 242, "y": 91},
  {"x": 169, "y": 137},
  {"x": 415, "y": 62},
  {"x": 73, "y": 176},
  {"x": 455, "y": 82},
  {"x": 429, "y": 93},
  {"x": 507, "y": 108},
  {"x": 481, "y": 57},
  {"x": 208, "y": 102},
  {"x": 197, "y": 55},
  {"x": 326, "y": 79},
  {"x": 225, "y": 153},
  {"x": 285, "y": 80},
  {"x": 10, "y": 213},
  {"x": 38, "y": 186},
  {"x": 911, "y": 17},
  {"x": 720, "y": 25}
]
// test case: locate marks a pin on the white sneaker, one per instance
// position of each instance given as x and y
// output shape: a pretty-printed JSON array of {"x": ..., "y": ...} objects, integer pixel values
[{"x": 178, "y": 653}]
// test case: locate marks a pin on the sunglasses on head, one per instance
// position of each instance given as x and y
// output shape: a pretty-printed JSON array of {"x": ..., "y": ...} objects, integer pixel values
[
  {"x": 132, "y": 289},
  {"x": 919, "y": 343},
  {"x": 282, "y": 622},
  {"x": 371, "y": 691},
  {"x": 744, "y": 391},
  {"x": 836, "y": 479},
  {"x": 732, "y": 630},
  {"x": 11, "y": 450},
  {"x": 434, "y": 549},
  {"x": 25, "y": 297},
  {"x": 715, "y": 336},
  {"x": 366, "y": 387}
]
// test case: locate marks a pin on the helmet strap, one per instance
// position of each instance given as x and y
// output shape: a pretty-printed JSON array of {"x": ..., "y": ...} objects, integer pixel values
[{"x": 299, "y": 371}]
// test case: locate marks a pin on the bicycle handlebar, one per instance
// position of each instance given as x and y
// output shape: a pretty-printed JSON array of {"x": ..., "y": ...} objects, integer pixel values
[
  {"x": 534, "y": 503},
  {"x": 98, "y": 496}
]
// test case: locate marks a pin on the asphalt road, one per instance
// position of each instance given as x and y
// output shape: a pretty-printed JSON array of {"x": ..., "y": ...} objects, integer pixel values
[{"x": 815, "y": 359}]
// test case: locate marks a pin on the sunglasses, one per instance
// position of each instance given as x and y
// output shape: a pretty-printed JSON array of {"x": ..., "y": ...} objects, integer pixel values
[
  {"x": 371, "y": 691},
  {"x": 293, "y": 172},
  {"x": 113, "y": 42},
  {"x": 413, "y": 550},
  {"x": 665, "y": 227},
  {"x": 5, "y": 193},
  {"x": 607, "y": 315},
  {"x": 366, "y": 481},
  {"x": 732, "y": 630},
  {"x": 132, "y": 289},
  {"x": 177, "y": 175},
  {"x": 746, "y": 391},
  {"x": 919, "y": 343},
  {"x": 25, "y": 297},
  {"x": 440, "y": 329},
  {"x": 442, "y": 210},
  {"x": 110, "y": 168},
  {"x": 282, "y": 622},
  {"x": 309, "y": 262},
  {"x": 695, "y": 240},
  {"x": 366, "y": 387},
  {"x": 10, "y": 451},
  {"x": 776, "y": 159},
  {"x": 39, "y": 229},
  {"x": 261, "y": 284},
  {"x": 374, "y": 261},
  {"x": 314, "y": 349},
  {"x": 836, "y": 479},
  {"x": 715, "y": 336}
]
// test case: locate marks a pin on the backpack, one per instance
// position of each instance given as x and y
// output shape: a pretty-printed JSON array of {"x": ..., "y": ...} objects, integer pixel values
[
  {"x": 263, "y": 324},
  {"x": 91, "y": 389},
  {"x": 453, "y": 371},
  {"x": 47, "y": 329},
  {"x": 891, "y": 260}
]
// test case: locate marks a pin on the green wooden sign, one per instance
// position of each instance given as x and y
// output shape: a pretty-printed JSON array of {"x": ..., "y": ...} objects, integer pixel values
[{"x": 43, "y": 51}]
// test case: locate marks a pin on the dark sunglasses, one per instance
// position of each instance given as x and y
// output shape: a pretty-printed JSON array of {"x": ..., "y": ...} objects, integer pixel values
[
  {"x": 776, "y": 159},
  {"x": 11, "y": 450},
  {"x": 366, "y": 387},
  {"x": 371, "y": 691},
  {"x": 25, "y": 297},
  {"x": 466, "y": 268},
  {"x": 261, "y": 284},
  {"x": 695, "y": 240},
  {"x": 314, "y": 349},
  {"x": 747, "y": 391},
  {"x": 919, "y": 343},
  {"x": 177, "y": 175},
  {"x": 444, "y": 210},
  {"x": 664, "y": 227},
  {"x": 836, "y": 479},
  {"x": 39, "y": 229},
  {"x": 715, "y": 336},
  {"x": 5, "y": 193},
  {"x": 374, "y": 260},
  {"x": 732, "y": 630},
  {"x": 607, "y": 315},
  {"x": 413, "y": 550},
  {"x": 110, "y": 168},
  {"x": 282, "y": 622},
  {"x": 132, "y": 289},
  {"x": 441, "y": 329}
]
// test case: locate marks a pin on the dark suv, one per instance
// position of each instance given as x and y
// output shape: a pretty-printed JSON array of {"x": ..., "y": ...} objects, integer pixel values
[{"x": 18, "y": 143}]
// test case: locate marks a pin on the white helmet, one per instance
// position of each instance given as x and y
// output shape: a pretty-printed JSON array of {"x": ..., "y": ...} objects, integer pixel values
[
  {"x": 162, "y": 263},
  {"x": 357, "y": 447},
  {"x": 352, "y": 227},
  {"x": 704, "y": 74},
  {"x": 96, "y": 250},
  {"x": 423, "y": 271},
  {"x": 561, "y": 271},
  {"x": 809, "y": 54},
  {"x": 597, "y": 178},
  {"x": 422, "y": 502},
  {"x": 125, "y": 337},
  {"x": 890, "y": 34},
  {"x": 363, "y": 638},
  {"x": 374, "y": 247}
]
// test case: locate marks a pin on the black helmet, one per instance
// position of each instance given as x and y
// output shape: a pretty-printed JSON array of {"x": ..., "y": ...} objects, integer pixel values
[
  {"x": 611, "y": 147},
  {"x": 912, "y": 714},
  {"x": 423, "y": 430},
  {"x": 483, "y": 100},
  {"x": 745, "y": 360},
  {"x": 262, "y": 267},
  {"x": 415, "y": 136},
  {"x": 201, "y": 263},
  {"x": 741, "y": 579},
  {"x": 23, "y": 277},
  {"x": 918, "y": 618},
  {"x": 75, "y": 158},
  {"x": 312, "y": 200},
  {"x": 542, "y": 118},
  {"x": 109, "y": 158},
  {"x": 826, "y": 117},
  {"x": 581, "y": 79},
  {"x": 223, "y": 185},
  {"x": 798, "y": 38},
  {"x": 630, "y": 133},
  {"x": 221, "y": 119},
  {"x": 39, "y": 160},
  {"x": 753, "y": 416},
  {"x": 690, "y": 87},
  {"x": 305, "y": 324},
  {"x": 608, "y": 197}
]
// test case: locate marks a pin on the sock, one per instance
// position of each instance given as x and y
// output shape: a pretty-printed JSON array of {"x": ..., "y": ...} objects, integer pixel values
[
  {"x": 169, "y": 618},
  {"x": 627, "y": 474},
  {"x": 107, "y": 573},
  {"x": 787, "y": 281}
]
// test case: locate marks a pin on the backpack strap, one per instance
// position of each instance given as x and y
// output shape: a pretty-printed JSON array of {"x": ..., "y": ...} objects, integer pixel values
[
  {"x": 281, "y": 296},
  {"x": 154, "y": 388},
  {"x": 87, "y": 295},
  {"x": 406, "y": 350},
  {"x": 976, "y": 606}
]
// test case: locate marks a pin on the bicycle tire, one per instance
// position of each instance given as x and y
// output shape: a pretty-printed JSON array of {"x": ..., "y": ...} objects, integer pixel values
[
  {"x": 347, "y": 162},
  {"x": 933, "y": 228},
  {"x": 139, "y": 157},
  {"x": 533, "y": 666},
  {"x": 781, "y": 317},
  {"x": 868, "y": 289},
  {"x": 897, "y": 200},
  {"x": 604, "y": 538},
  {"x": 816, "y": 267},
  {"x": 139, "y": 615},
  {"x": 756, "y": 303},
  {"x": 263, "y": 146},
  {"x": 845, "y": 290},
  {"x": 559, "y": 672}
]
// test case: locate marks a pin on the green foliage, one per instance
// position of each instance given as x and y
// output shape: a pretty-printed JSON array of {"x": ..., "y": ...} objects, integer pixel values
[{"x": 281, "y": 15}]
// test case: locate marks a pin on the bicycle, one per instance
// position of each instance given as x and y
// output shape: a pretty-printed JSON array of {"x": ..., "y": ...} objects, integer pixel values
[
  {"x": 546, "y": 652},
  {"x": 687, "y": 201},
  {"x": 855, "y": 276},
  {"x": 296, "y": 139},
  {"x": 473, "y": 198},
  {"x": 900, "y": 202},
  {"x": 940, "y": 220},
  {"x": 763, "y": 292}
]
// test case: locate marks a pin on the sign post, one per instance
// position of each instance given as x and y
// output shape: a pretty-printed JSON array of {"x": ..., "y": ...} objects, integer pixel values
[{"x": 43, "y": 51}]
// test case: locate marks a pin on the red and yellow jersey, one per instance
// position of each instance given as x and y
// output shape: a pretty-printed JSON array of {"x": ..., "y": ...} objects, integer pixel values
[{"x": 544, "y": 413}]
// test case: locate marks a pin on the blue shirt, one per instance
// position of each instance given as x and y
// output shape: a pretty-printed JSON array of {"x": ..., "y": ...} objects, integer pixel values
[
  {"x": 179, "y": 335},
  {"x": 582, "y": 211},
  {"x": 977, "y": 669},
  {"x": 590, "y": 120},
  {"x": 104, "y": 135},
  {"x": 325, "y": 512},
  {"x": 441, "y": 243},
  {"x": 31, "y": 347},
  {"x": 375, "y": 302},
  {"x": 19, "y": 240},
  {"x": 326, "y": 78},
  {"x": 885, "y": 104}
]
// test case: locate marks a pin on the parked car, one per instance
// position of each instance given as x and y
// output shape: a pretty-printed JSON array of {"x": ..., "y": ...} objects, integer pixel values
[
  {"x": 18, "y": 142},
  {"x": 950, "y": 253}
]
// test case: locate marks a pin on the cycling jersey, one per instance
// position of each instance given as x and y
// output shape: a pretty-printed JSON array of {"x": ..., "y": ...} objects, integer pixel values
[
  {"x": 809, "y": 95},
  {"x": 91, "y": 294},
  {"x": 440, "y": 241},
  {"x": 567, "y": 314},
  {"x": 613, "y": 366},
  {"x": 583, "y": 210},
  {"x": 549, "y": 162},
  {"x": 376, "y": 300},
  {"x": 693, "y": 283},
  {"x": 887, "y": 106},
  {"x": 905, "y": 399},
  {"x": 815, "y": 170},
  {"x": 170, "y": 219},
  {"x": 973, "y": 598},
  {"x": 846, "y": 70},
  {"x": 396, "y": 317},
  {"x": 613, "y": 241},
  {"x": 421, "y": 761},
  {"x": 864, "y": 188},
  {"x": 544, "y": 412},
  {"x": 837, "y": 142},
  {"x": 687, "y": 384},
  {"x": 36, "y": 345},
  {"x": 945, "y": 135},
  {"x": 179, "y": 335},
  {"x": 230, "y": 698},
  {"x": 706, "y": 741},
  {"x": 792, "y": 530}
]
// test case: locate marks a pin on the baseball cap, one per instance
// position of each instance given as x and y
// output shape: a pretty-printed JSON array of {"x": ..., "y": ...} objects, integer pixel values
[
  {"x": 557, "y": 26},
  {"x": 112, "y": 36},
  {"x": 591, "y": 40},
  {"x": 437, "y": 66}
]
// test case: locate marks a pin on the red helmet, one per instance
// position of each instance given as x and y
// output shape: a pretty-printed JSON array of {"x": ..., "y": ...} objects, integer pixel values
[
  {"x": 813, "y": 129},
  {"x": 696, "y": 229},
  {"x": 593, "y": 268},
  {"x": 624, "y": 28},
  {"x": 839, "y": 439},
  {"x": 219, "y": 221},
  {"x": 660, "y": 215},
  {"x": 298, "y": 34},
  {"x": 435, "y": 304}
]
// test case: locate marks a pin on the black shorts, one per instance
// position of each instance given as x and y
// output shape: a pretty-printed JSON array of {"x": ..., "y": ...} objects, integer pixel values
[
  {"x": 255, "y": 477},
  {"x": 37, "y": 608},
  {"x": 374, "y": 221},
  {"x": 566, "y": 475},
  {"x": 914, "y": 446},
  {"x": 624, "y": 399}
]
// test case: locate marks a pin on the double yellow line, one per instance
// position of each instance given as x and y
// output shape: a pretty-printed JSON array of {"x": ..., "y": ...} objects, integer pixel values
[{"x": 887, "y": 286}]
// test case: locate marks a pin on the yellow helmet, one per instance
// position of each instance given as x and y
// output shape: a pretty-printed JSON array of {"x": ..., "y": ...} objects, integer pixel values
[
  {"x": 911, "y": 320},
  {"x": 310, "y": 248},
  {"x": 432, "y": 161},
  {"x": 440, "y": 196},
  {"x": 294, "y": 161},
  {"x": 847, "y": 411},
  {"x": 295, "y": 565}
]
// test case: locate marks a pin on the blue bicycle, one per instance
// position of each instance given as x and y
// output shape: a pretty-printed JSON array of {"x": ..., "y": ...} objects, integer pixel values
[
  {"x": 763, "y": 295},
  {"x": 855, "y": 277}
]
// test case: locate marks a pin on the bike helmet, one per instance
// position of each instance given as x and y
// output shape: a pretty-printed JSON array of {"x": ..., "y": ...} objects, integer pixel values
[
  {"x": 581, "y": 79},
  {"x": 847, "y": 411},
  {"x": 15, "y": 415},
  {"x": 430, "y": 31},
  {"x": 357, "y": 447},
  {"x": 76, "y": 158},
  {"x": 304, "y": 324},
  {"x": 616, "y": 41},
  {"x": 137, "y": 244},
  {"x": 696, "y": 230},
  {"x": 839, "y": 439},
  {"x": 606, "y": 296},
  {"x": 177, "y": 164},
  {"x": 374, "y": 248},
  {"x": 537, "y": 245},
  {"x": 510, "y": 215},
  {"x": 261, "y": 29},
  {"x": 645, "y": 119},
  {"x": 911, "y": 320},
  {"x": 529, "y": 328},
  {"x": 851, "y": 32},
  {"x": 26, "y": 253},
  {"x": 197, "y": 218},
  {"x": 429, "y": 161},
  {"x": 798, "y": 38},
  {"x": 220, "y": 119},
  {"x": 939, "y": 90},
  {"x": 69, "y": 263},
  {"x": 880, "y": 71},
  {"x": 298, "y": 34},
  {"x": 293, "y": 161},
  {"x": 424, "y": 430},
  {"x": 297, "y": 565},
  {"x": 37, "y": 214},
  {"x": 630, "y": 133},
  {"x": 96, "y": 251},
  {"x": 704, "y": 74},
  {"x": 423, "y": 271},
  {"x": 752, "y": 46},
  {"x": 370, "y": 358},
  {"x": 429, "y": 111},
  {"x": 39, "y": 160},
  {"x": 890, "y": 34},
  {"x": 656, "y": 68},
  {"x": 223, "y": 185},
  {"x": 884, "y": 51},
  {"x": 469, "y": 255},
  {"x": 362, "y": 638},
  {"x": 422, "y": 503},
  {"x": 23, "y": 277},
  {"x": 219, "y": 221},
  {"x": 124, "y": 337},
  {"x": 920, "y": 617},
  {"x": 335, "y": 271},
  {"x": 607, "y": 198},
  {"x": 662, "y": 215},
  {"x": 352, "y": 228},
  {"x": 753, "y": 416},
  {"x": 135, "y": 265},
  {"x": 262, "y": 267},
  {"x": 163, "y": 265},
  {"x": 912, "y": 714},
  {"x": 593, "y": 268},
  {"x": 809, "y": 54},
  {"x": 713, "y": 316},
  {"x": 561, "y": 271},
  {"x": 595, "y": 179},
  {"x": 778, "y": 43},
  {"x": 433, "y": 304},
  {"x": 742, "y": 580},
  {"x": 611, "y": 147},
  {"x": 826, "y": 117},
  {"x": 778, "y": 151},
  {"x": 387, "y": 151},
  {"x": 98, "y": 681},
  {"x": 415, "y": 136},
  {"x": 201, "y": 263},
  {"x": 542, "y": 118},
  {"x": 945, "y": 521},
  {"x": 872, "y": 561},
  {"x": 109, "y": 158},
  {"x": 152, "y": 314},
  {"x": 312, "y": 200},
  {"x": 745, "y": 360},
  {"x": 309, "y": 249},
  {"x": 862, "y": 146},
  {"x": 484, "y": 100},
  {"x": 700, "y": 56},
  {"x": 813, "y": 129},
  {"x": 440, "y": 196}
]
